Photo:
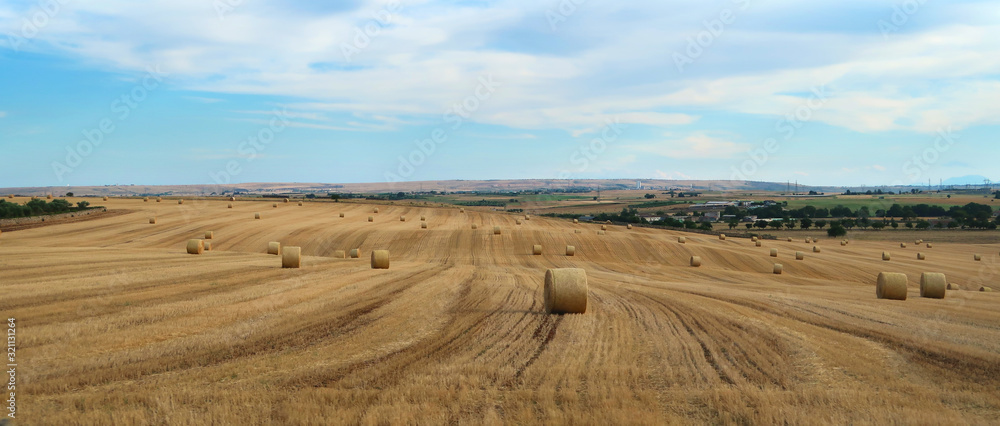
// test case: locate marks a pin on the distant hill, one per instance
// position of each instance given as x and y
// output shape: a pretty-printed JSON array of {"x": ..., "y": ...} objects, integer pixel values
[{"x": 966, "y": 180}]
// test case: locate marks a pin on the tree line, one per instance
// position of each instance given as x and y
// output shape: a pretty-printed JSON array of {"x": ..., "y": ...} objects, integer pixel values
[{"x": 38, "y": 207}]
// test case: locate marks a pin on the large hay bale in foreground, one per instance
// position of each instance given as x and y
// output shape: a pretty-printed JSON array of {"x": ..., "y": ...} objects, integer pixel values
[
  {"x": 195, "y": 246},
  {"x": 682, "y": 240},
  {"x": 891, "y": 285},
  {"x": 10, "y": 195},
  {"x": 291, "y": 257},
  {"x": 843, "y": 243},
  {"x": 570, "y": 251},
  {"x": 152, "y": 220},
  {"x": 273, "y": 247},
  {"x": 355, "y": 253},
  {"x": 380, "y": 259},
  {"x": 774, "y": 252},
  {"x": 423, "y": 225},
  {"x": 565, "y": 291},
  {"x": 933, "y": 285},
  {"x": 696, "y": 261},
  {"x": 300, "y": 203},
  {"x": 402, "y": 218},
  {"x": 339, "y": 254},
  {"x": 778, "y": 268},
  {"x": 920, "y": 256},
  {"x": 536, "y": 249},
  {"x": 886, "y": 256},
  {"x": 496, "y": 230},
  {"x": 986, "y": 289}
]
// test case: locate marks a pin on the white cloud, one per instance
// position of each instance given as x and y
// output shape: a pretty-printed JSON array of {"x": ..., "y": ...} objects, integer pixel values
[
  {"x": 878, "y": 167},
  {"x": 674, "y": 175},
  {"x": 694, "y": 146}
]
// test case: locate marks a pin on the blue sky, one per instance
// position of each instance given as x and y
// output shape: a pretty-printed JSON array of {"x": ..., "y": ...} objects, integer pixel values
[{"x": 826, "y": 93}]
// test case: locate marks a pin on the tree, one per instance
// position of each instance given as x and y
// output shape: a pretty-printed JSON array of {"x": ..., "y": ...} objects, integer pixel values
[
  {"x": 749, "y": 226},
  {"x": 762, "y": 224},
  {"x": 70, "y": 194},
  {"x": 821, "y": 224},
  {"x": 335, "y": 197},
  {"x": 733, "y": 224},
  {"x": 790, "y": 224},
  {"x": 878, "y": 226},
  {"x": 894, "y": 224},
  {"x": 82, "y": 204},
  {"x": 650, "y": 196},
  {"x": 836, "y": 231},
  {"x": 848, "y": 223},
  {"x": 909, "y": 225},
  {"x": 776, "y": 224},
  {"x": 705, "y": 226},
  {"x": 923, "y": 224},
  {"x": 806, "y": 223}
]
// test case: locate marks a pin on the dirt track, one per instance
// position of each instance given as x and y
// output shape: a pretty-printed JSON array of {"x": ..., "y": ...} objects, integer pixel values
[{"x": 118, "y": 324}]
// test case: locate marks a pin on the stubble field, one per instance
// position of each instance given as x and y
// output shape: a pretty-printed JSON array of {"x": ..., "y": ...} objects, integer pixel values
[{"x": 117, "y": 324}]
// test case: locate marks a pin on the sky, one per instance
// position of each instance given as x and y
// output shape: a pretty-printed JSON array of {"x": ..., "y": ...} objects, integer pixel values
[{"x": 229, "y": 91}]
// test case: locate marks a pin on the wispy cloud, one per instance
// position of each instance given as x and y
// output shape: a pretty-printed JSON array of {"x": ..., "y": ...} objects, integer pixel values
[
  {"x": 203, "y": 99},
  {"x": 693, "y": 146}
]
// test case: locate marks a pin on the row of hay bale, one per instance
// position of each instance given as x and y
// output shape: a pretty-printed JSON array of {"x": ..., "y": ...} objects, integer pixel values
[{"x": 536, "y": 250}]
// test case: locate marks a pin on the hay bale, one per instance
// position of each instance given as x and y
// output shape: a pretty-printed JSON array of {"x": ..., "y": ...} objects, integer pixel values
[
  {"x": 180, "y": 201},
  {"x": 208, "y": 246},
  {"x": 527, "y": 217},
  {"x": 929, "y": 245},
  {"x": 232, "y": 198},
  {"x": 291, "y": 257},
  {"x": 273, "y": 247},
  {"x": 195, "y": 246},
  {"x": 574, "y": 220},
  {"x": 496, "y": 230},
  {"x": 577, "y": 231},
  {"x": 843, "y": 243},
  {"x": 518, "y": 221},
  {"x": 380, "y": 259},
  {"x": 371, "y": 218},
  {"x": 789, "y": 239},
  {"x": 286, "y": 201},
  {"x": 48, "y": 196},
  {"x": 977, "y": 258},
  {"x": 917, "y": 242},
  {"x": 604, "y": 227},
  {"x": 354, "y": 253},
  {"x": 536, "y": 249},
  {"x": 816, "y": 249},
  {"x": 601, "y": 232},
  {"x": 682, "y": 240},
  {"x": 778, "y": 268},
  {"x": 423, "y": 225},
  {"x": 774, "y": 252},
  {"x": 902, "y": 245},
  {"x": 152, "y": 220},
  {"x": 628, "y": 226},
  {"x": 891, "y": 285},
  {"x": 570, "y": 251},
  {"x": 985, "y": 289},
  {"x": 145, "y": 199},
  {"x": 474, "y": 226},
  {"x": 209, "y": 235},
  {"x": 952, "y": 286},
  {"x": 886, "y": 256},
  {"x": 256, "y": 215},
  {"x": 300, "y": 203},
  {"x": 423, "y": 218},
  {"x": 375, "y": 210},
  {"x": 758, "y": 244},
  {"x": 800, "y": 255},
  {"x": 274, "y": 205},
  {"x": 722, "y": 237},
  {"x": 920, "y": 256},
  {"x": 696, "y": 261},
  {"x": 105, "y": 198},
  {"x": 339, "y": 254},
  {"x": 230, "y": 205},
  {"x": 461, "y": 210},
  {"x": 341, "y": 215},
  {"x": 10, "y": 196},
  {"x": 753, "y": 238},
  {"x": 158, "y": 199},
  {"x": 565, "y": 291},
  {"x": 932, "y": 285},
  {"x": 402, "y": 218}
]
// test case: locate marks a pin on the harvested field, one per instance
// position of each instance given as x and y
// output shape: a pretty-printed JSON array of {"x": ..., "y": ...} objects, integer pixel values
[{"x": 117, "y": 324}]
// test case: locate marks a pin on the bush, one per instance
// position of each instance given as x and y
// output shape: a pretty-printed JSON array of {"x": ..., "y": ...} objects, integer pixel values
[{"x": 836, "y": 230}]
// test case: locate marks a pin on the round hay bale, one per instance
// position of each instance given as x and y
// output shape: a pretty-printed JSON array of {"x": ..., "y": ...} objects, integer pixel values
[
  {"x": 920, "y": 256},
  {"x": 371, "y": 218},
  {"x": 886, "y": 256},
  {"x": 286, "y": 201},
  {"x": 339, "y": 254},
  {"x": 496, "y": 230},
  {"x": 518, "y": 221},
  {"x": 816, "y": 249},
  {"x": 601, "y": 232},
  {"x": 158, "y": 199},
  {"x": 209, "y": 235},
  {"x": 774, "y": 252},
  {"x": 891, "y": 285},
  {"x": 789, "y": 239},
  {"x": 753, "y": 238},
  {"x": 273, "y": 247},
  {"x": 10, "y": 195},
  {"x": 574, "y": 220},
  {"x": 474, "y": 226},
  {"x": 902, "y": 245},
  {"x": 758, "y": 244},
  {"x": 380, "y": 259},
  {"x": 952, "y": 286},
  {"x": 565, "y": 291},
  {"x": 291, "y": 257},
  {"x": 604, "y": 227},
  {"x": 461, "y": 210},
  {"x": 341, "y": 215},
  {"x": 208, "y": 246},
  {"x": 423, "y": 225},
  {"x": 929, "y": 245},
  {"x": 354, "y": 253},
  {"x": 629, "y": 226},
  {"x": 978, "y": 258},
  {"x": 145, "y": 200},
  {"x": 933, "y": 285},
  {"x": 195, "y": 246},
  {"x": 570, "y": 251},
  {"x": 800, "y": 255},
  {"x": 778, "y": 268},
  {"x": 105, "y": 198},
  {"x": 230, "y": 205},
  {"x": 696, "y": 261},
  {"x": 180, "y": 201},
  {"x": 423, "y": 218},
  {"x": 917, "y": 242},
  {"x": 577, "y": 231},
  {"x": 527, "y": 217},
  {"x": 843, "y": 243},
  {"x": 232, "y": 198},
  {"x": 300, "y": 203},
  {"x": 375, "y": 210},
  {"x": 985, "y": 289},
  {"x": 48, "y": 196},
  {"x": 152, "y": 220},
  {"x": 682, "y": 240},
  {"x": 536, "y": 249},
  {"x": 402, "y": 218},
  {"x": 274, "y": 205},
  {"x": 256, "y": 215},
  {"x": 722, "y": 237}
]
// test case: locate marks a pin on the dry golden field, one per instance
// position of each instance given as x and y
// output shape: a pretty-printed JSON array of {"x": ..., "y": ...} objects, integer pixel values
[{"x": 118, "y": 325}]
